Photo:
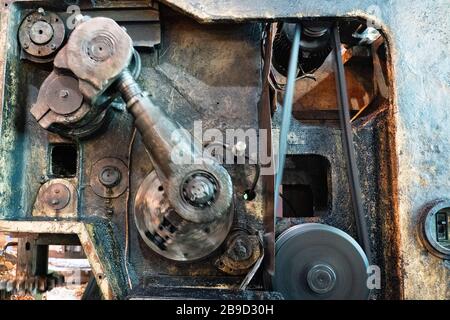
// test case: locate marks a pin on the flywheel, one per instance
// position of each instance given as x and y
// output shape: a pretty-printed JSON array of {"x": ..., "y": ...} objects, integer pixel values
[{"x": 319, "y": 262}]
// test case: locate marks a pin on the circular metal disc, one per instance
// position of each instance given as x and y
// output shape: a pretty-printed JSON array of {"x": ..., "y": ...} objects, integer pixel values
[
  {"x": 191, "y": 241},
  {"x": 57, "y": 196},
  {"x": 63, "y": 96},
  {"x": 115, "y": 190},
  {"x": 306, "y": 247},
  {"x": 41, "y": 35},
  {"x": 41, "y": 32}
]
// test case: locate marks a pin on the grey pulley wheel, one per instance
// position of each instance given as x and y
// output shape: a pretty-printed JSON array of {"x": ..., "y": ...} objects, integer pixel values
[{"x": 315, "y": 261}]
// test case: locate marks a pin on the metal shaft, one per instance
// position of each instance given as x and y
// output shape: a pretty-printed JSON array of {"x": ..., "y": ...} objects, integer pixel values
[{"x": 160, "y": 134}]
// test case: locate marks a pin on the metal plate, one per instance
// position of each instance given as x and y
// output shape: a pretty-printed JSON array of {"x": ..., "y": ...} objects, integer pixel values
[{"x": 303, "y": 249}]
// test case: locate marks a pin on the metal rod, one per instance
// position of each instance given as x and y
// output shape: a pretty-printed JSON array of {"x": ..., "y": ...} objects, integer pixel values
[
  {"x": 347, "y": 144},
  {"x": 287, "y": 111}
]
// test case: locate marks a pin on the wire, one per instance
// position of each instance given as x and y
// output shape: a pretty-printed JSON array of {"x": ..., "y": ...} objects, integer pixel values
[
  {"x": 135, "y": 73},
  {"x": 255, "y": 267}
]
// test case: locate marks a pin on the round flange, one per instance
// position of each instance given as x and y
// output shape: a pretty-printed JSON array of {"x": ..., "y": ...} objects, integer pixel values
[
  {"x": 109, "y": 178},
  {"x": 57, "y": 196},
  {"x": 199, "y": 189},
  {"x": 63, "y": 96},
  {"x": 41, "y": 33},
  {"x": 167, "y": 232},
  {"x": 315, "y": 261}
]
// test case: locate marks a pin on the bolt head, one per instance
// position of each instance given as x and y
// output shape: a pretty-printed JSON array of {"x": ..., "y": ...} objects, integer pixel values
[
  {"x": 321, "y": 278},
  {"x": 110, "y": 176},
  {"x": 64, "y": 94},
  {"x": 240, "y": 250}
]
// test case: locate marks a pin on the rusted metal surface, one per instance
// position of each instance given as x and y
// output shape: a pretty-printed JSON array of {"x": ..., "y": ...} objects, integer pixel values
[
  {"x": 243, "y": 250},
  {"x": 41, "y": 34},
  {"x": 85, "y": 235},
  {"x": 320, "y": 95},
  {"x": 57, "y": 198},
  {"x": 212, "y": 98},
  {"x": 401, "y": 154},
  {"x": 413, "y": 152}
]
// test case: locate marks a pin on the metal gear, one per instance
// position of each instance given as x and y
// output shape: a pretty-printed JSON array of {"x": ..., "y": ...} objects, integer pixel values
[{"x": 319, "y": 262}]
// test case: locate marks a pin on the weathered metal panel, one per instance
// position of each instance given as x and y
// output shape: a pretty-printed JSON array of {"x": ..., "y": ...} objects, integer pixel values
[
  {"x": 418, "y": 33},
  {"x": 413, "y": 160}
]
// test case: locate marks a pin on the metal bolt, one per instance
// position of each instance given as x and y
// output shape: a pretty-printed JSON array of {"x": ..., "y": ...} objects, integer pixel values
[
  {"x": 64, "y": 93},
  {"x": 26, "y": 45},
  {"x": 240, "y": 250},
  {"x": 29, "y": 18},
  {"x": 55, "y": 202},
  {"x": 53, "y": 46},
  {"x": 321, "y": 278},
  {"x": 41, "y": 11}
]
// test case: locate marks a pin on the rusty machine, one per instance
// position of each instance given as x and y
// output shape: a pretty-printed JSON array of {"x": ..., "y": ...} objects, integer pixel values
[{"x": 205, "y": 150}]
